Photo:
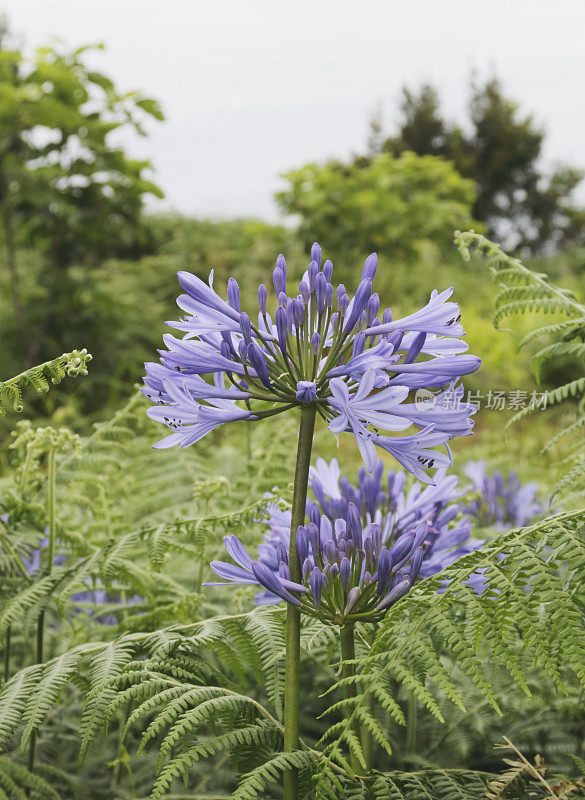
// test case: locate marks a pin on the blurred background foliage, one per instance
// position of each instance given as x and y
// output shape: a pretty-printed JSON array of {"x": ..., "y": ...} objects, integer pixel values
[{"x": 81, "y": 262}]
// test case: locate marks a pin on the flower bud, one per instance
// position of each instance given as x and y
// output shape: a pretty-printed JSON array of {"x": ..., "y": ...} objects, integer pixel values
[
  {"x": 233, "y": 292},
  {"x": 316, "y": 254},
  {"x": 394, "y": 594},
  {"x": 345, "y": 574},
  {"x": 306, "y": 391},
  {"x": 320, "y": 284},
  {"x": 302, "y": 543},
  {"x": 359, "y": 343},
  {"x": 282, "y": 553},
  {"x": 325, "y": 529},
  {"x": 340, "y": 528},
  {"x": 415, "y": 564},
  {"x": 328, "y": 270},
  {"x": 331, "y": 551},
  {"x": 360, "y": 300},
  {"x": 298, "y": 311},
  {"x": 352, "y": 599},
  {"x": 312, "y": 270},
  {"x": 313, "y": 534},
  {"x": 315, "y": 343},
  {"x": 372, "y": 309},
  {"x": 369, "y": 548},
  {"x": 271, "y": 582},
  {"x": 329, "y": 295},
  {"x": 281, "y": 327},
  {"x": 281, "y": 264},
  {"x": 370, "y": 267},
  {"x": 246, "y": 327},
  {"x": 384, "y": 569},
  {"x": 402, "y": 547},
  {"x": 316, "y": 586},
  {"x": 278, "y": 280},
  {"x": 415, "y": 348},
  {"x": 304, "y": 292},
  {"x": 257, "y": 360},
  {"x": 354, "y": 525},
  {"x": 262, "y": 297},
  {"x": 314, "y": 512}
]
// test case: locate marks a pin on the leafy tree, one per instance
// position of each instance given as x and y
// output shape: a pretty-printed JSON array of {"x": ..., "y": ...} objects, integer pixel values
[
  {"x": 66, "y": 187},
  {"x": 500, "y": 150},
  {"x": 386, "y": 203}
]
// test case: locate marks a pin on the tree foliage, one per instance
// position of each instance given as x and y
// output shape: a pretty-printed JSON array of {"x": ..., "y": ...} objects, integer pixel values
[
  {"x": 500, "y": 149},
  {"x": 389, "y": 204},
  {"x": 67, "y": 187}
]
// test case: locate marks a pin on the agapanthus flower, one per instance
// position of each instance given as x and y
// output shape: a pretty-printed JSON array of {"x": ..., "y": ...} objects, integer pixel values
[
  {"x": 501, "y": 502},
  {"x": 362, "y": 547},
  {"x": 319, "y": 347}
]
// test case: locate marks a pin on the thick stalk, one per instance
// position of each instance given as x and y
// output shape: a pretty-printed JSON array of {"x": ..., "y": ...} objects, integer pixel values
[
  {"x": 346, "y": 636},
  {"x": 50, "y": 556},
  {"x": 293, "y": 615}
]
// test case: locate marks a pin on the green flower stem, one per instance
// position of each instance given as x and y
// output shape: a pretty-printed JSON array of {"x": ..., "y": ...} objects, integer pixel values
[
  {"x": 293, "y": 615},
  {"x": 50, "y": 556},
  {"x": 346, "y": 636}
]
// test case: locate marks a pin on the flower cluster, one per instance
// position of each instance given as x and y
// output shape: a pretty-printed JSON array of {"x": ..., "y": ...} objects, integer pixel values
[
  {"x": 320, "y": 347},
  {"x": 363, "y": 547},
  {"x": 501, "y": 502}
]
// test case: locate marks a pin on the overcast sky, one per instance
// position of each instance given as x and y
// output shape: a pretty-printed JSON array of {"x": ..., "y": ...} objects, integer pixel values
[{"x": 251, "y": 88}]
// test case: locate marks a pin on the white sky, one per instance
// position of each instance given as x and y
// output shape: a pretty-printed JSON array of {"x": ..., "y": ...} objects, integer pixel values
[{"x": 251, "y": 88}]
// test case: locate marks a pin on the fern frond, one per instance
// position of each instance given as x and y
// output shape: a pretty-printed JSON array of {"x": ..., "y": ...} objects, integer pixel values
[
  {"x": 47, "y": 692},
  {"x": 525, "y": 599},
  {"x": 19, "y": 782},
  {"x": 252, "y": 735},
  {"x": 255, "y": 783},
  {"x": 104, "y": 666},
  {"x": 14, "y": 698},
  {"x": 39, "y": 377}
]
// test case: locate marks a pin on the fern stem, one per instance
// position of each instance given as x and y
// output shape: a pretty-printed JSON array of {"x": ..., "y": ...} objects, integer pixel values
[
  {"x": 7, "y": 654},
  {"x": 293, "y": 615},
  {"x": 50, "y": 556},
  {"x": 411, "y": 736},
  {"x": 347, "y": 642},
  {"x": 51, "y": 509}
]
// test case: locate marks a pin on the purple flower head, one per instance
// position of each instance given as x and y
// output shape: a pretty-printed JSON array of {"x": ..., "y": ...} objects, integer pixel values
[
  {"x": 362, "y": 376},
  {"x": 363, "y": 547},
  {"x": 501, "y": 502}
]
